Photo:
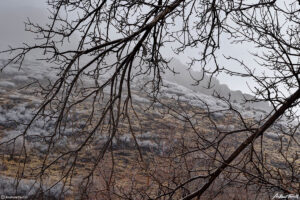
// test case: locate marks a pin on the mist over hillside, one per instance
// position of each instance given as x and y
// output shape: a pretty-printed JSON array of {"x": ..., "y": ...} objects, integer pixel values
[
  {"x": 13, "y": 34},
  {"x": 185, "y": 77},
  {"x": 13, "y": 18},
  {"x": 89, "y": 112}
]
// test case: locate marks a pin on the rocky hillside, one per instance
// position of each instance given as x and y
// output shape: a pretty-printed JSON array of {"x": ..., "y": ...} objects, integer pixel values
[{"x": 157, "y": 134}]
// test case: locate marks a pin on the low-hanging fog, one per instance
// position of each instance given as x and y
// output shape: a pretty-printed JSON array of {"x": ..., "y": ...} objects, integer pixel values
[{"x": 13, "y": 14}]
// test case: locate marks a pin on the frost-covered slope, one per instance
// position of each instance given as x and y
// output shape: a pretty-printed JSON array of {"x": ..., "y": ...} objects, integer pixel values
[
  {"x": 17, "y": 107},
  {"x": 12, "y": 78}
]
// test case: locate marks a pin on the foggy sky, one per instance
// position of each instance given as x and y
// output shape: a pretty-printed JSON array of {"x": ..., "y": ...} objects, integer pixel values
[{"x": 13, "y": 13}]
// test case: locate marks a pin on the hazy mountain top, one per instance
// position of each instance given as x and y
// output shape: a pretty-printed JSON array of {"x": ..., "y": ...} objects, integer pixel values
[
  {"x": 183, "y": 77},
  {"x": 12, "y": 33}
]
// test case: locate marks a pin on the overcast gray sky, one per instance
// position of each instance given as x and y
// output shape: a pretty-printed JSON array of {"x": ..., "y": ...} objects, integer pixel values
[{"x": 13, "y": 13}]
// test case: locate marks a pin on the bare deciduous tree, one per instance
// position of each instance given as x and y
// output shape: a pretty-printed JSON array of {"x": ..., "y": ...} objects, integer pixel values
[{"x": 197, "y": 154}]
